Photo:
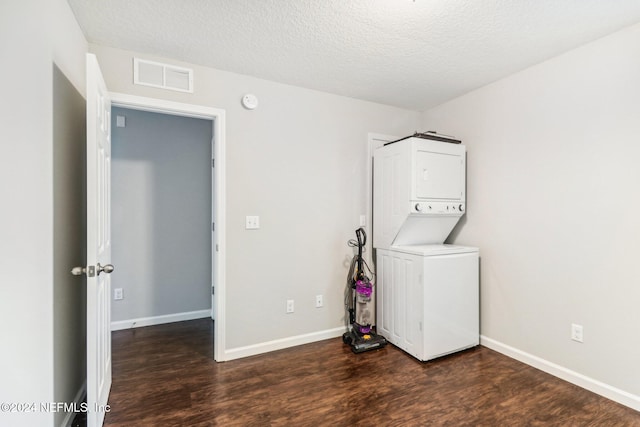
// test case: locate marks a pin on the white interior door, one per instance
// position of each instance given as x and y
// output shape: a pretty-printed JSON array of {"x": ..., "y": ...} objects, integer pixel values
[{"x": 98, "y": 243}]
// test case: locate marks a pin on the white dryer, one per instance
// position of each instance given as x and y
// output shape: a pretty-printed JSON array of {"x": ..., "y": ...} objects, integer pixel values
[{"x": 418, "y": 191}]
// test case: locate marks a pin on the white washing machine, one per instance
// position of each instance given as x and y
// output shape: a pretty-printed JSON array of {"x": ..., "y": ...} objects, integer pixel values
[{"x": 428, "y": 298}]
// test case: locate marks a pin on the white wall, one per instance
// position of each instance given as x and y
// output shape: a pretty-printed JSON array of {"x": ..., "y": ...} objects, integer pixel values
[
  {"x": 26, "y": 362},
  {"x": 29, "y": 35},
  {"x": 298, "y": 162},
  {"x": 161, "y": 214},
  {"x": 69, "y": 240},
  {"x": 68, "y": 48},
  {"x": 553, "y": 204}
]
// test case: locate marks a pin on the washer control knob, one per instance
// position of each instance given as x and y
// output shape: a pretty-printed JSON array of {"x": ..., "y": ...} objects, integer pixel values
[
  {"x": 418, "y": 207},
  {"x": 461, "y": 208}
]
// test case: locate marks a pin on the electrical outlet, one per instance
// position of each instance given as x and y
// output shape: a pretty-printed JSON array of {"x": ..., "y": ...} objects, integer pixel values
[
  {"x": 363, "y": 220},
  {"x": 252, "y": 222},
  {"x": 118, "y": 294},
  {"x": 289, "y": 306},
  {"x": 318, "y": 301},
  {"x": 576, "y": 332}
]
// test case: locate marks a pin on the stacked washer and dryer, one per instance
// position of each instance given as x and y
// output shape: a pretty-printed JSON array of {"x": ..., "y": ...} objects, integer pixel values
[{"x": 427, "y": 291}]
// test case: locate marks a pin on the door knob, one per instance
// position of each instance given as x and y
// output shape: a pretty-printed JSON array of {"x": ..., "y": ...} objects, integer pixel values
[
  {"x": 91, "y": 270},
  {"x": 78, "y": 271},
  {"x": 108, "y": 268}
]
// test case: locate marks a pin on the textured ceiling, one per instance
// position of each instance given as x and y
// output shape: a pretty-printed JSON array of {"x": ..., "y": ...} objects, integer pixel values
[{"x": 411, "y": 54}]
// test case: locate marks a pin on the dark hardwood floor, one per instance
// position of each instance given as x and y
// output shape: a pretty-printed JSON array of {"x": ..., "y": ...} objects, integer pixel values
[{"x": 165, "y": 376}]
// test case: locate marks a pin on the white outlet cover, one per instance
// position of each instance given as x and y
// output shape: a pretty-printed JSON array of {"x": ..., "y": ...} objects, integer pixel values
[
  {"x": 252, "y": 222},
  {"x": 577, "y": 333}
]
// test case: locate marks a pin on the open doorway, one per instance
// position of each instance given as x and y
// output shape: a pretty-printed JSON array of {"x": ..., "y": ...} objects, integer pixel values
[
  {"x": 161, "y": 217},
  {"x": 158, "y": 209}
]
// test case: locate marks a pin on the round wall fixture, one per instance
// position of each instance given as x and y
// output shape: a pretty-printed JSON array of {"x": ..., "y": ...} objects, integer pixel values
[{"x": 249, "y": 101}]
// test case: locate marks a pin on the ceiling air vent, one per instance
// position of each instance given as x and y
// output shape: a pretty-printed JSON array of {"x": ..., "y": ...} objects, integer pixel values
[{"x": 164, "y": 76}]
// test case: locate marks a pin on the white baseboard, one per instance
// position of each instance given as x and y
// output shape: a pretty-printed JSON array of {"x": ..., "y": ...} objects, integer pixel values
[
  {"x": 605, "y": 390},
  {"x": 265, "y": 347},
  {"x": 78, "y": 398},
  {"x": 159, "y": 320}
]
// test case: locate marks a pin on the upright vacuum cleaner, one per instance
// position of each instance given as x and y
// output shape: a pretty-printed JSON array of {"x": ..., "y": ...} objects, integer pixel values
[{"x": 360, "y": 335}]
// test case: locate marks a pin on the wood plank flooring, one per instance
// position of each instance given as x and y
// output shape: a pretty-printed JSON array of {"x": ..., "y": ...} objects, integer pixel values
[{"x": 165, "y": 376}]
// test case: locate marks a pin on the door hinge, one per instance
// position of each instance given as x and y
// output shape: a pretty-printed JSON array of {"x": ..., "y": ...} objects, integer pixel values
[
  {"x": 213, "y": 290},
  {"x": 213, "y": 226},
  {"x": 213, "y": 163}
]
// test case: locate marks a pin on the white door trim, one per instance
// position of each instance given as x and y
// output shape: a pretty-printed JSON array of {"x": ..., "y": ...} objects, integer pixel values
[{"x": 217, "y": 115}]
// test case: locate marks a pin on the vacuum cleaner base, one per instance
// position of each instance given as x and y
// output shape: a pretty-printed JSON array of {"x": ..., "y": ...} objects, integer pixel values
[{"x": 365, "y": 342}]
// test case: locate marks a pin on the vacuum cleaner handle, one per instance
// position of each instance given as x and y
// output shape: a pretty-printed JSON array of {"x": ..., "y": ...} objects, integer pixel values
[
  {"x": 362, "y": 237},
  {"x": 362, "y": 240}
]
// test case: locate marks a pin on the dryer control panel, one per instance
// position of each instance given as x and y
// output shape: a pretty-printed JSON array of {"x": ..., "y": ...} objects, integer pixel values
[{"x": 436, "y": 208}]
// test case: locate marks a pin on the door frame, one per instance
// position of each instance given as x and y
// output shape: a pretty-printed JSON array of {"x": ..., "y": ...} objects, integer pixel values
[{"x": 218, "y": 199}]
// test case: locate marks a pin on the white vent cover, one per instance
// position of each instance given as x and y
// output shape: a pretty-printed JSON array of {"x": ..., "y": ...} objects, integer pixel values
[{"x": 164, "y": 76}]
